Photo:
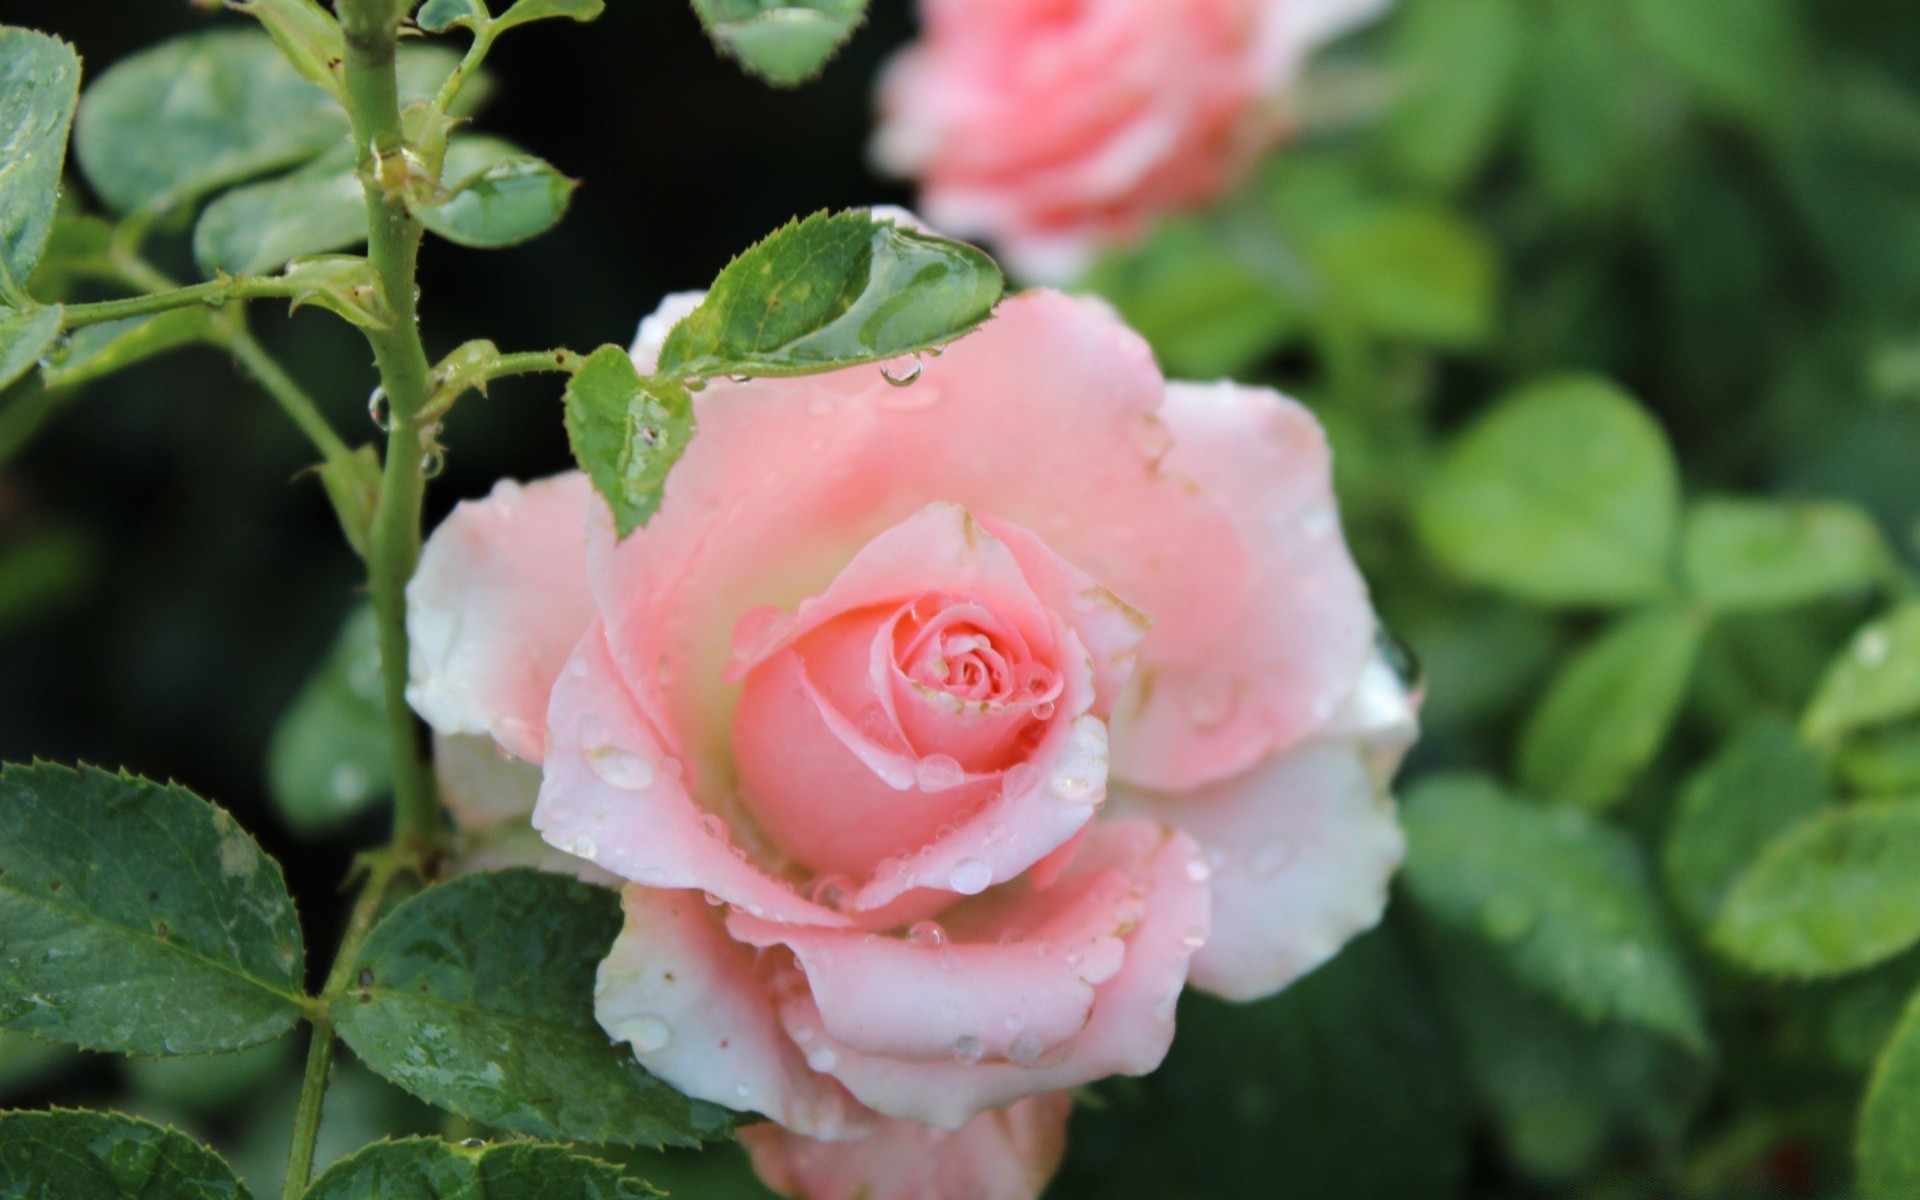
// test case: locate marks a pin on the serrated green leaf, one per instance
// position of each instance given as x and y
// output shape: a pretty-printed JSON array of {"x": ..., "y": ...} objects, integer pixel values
[
  {"x": 784, "y": 42},
  {"x": 138, "y": 918},
  {"x": 1565, "y": 493},
  {"x": 430, "y": 1169},
  {"x": 165, "y": 126},
  {"x": 503, "y": 204},
  {"x": 1606, "y": 713},
  {"x": 1460, "y": 62},
  {"x": 1832, "y": 894},
  {"x": 1876, "y": 679},
  {"x": 477, "y": 996},
  {"x": 25, "y": 339},
  {"x": 1408, "y": 271},
  {"x": 79, "y": 248},
  {"x": 328, "y": 759},
  {"x": 627, "y": 431},
  {"x": 39, "y": 86},
  {"x": 1758, "y": 786},
  {"x": 1562, "y": 900},
  {"x": 523, "y": 11},
  {"x": 1755, "y": 554},
  {"x": 1889, "y": 1147},
  {"x": 69, "y": 1155},
  {"x": 97, "y": 350},
  {"x": 831, "y": 291},
  {"x": 254, "y": 229},
  {"x": 438, "y": 16}
]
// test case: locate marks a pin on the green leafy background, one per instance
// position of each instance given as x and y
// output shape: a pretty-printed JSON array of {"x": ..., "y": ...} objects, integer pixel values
[{"x": 1612, "y": 308}]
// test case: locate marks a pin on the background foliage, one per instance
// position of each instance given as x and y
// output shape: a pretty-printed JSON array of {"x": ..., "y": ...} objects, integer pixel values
[{"x": 1613, "y": 310}]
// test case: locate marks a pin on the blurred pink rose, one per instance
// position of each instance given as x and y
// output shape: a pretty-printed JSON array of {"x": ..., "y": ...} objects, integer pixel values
[
  {"x": 940, "y": 732},
  {"x": 1052, "y": 127}
]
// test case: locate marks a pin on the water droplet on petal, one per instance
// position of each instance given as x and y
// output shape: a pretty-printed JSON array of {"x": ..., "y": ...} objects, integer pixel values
[
  {"x": 832, "y": 891},
  {"x": 1198, "y": 869},
  {"x": 970, "y": 877},
  {"x": 927, "y": 933},
  {"x": 1025, "y": 1048},
  {"x": 583, "y": 847},
  {"x": 967, "y": 1049},
  {"x": 646, "y": 1034},
  {"x": 715, "y": 827},
  {"x": 903, "y": 372},
  {"x": 822, "y": 1059},
  {"x": 1194, "y": 938},
  {"x": 1019, "y": 779},
  {"x": 619, "y": 768},
  {"x": 938, "y": 773}
]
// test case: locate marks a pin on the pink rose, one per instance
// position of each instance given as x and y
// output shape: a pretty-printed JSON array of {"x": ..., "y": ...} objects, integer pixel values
[
  {"x": 1051, "y": 127},
  {"x": 941, "y": 732}
]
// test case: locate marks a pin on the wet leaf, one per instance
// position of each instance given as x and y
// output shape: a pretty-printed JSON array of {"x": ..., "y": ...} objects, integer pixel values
[
  {"x": 66, "y": 1155},
  {"x": 97, "y": 350},
  {"x": 1876, "y": 679},
  {"x": 39, "y": 85},
  {"x": 25, "y": 339},
  {"x": 522, "y": 11},
  {"x": 627, "y": 431},
  {"x": 137, "y": 917},
  {"x": 784, "y": 42},
  {"x": 477, "y": 995},
  {"x": 254, "y": 229},
  {"x": 1758, "y": 786},
  {"x": 430, "y": 1169},
  {"x": 1833, "y": 894},
  {"x": 1564, "y": 902},
  {"x": 328, "y": 759},
  {"x": 831, "y": 291},
  {"x": 1564, "y": 493},
  {"x": 1890, "y": 1118},
  {"x": 1605, "y": 715},
  {"x": 503, "y": 204}
]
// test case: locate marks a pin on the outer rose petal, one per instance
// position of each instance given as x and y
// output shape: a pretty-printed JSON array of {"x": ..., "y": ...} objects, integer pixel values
[
  {"x": 686, "y": 997},
  {"x": 480, "y": 785},
  {"x": 1006, "y": 1154},
  {"x": 612, "y": 794},
  {"x": 1302, "y": 846},
  {"x": 500, "y": 597},
  {"x": 1131, "y": 1025},
  {"x": 1293, "y": 642}
]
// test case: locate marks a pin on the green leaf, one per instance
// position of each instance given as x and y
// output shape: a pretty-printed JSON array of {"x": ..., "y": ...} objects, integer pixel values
[
  {"x": 627, "y": 432},
  {"x": 67, "y": 1155},
  {"x": 1741, "y": 56},
  {"x": 137, "y": 917},
  {"x": 353, "y": 487},
  {"x": 1889, "y": 1148},
  {"x": 1759, "y": 785},
  {"x": 1754, "y": 554},
  {"x": 98, "y": 350},
  {"x": 1874, "y": 680},
  {"x": 254, "y": 229},
  {"x": 80, "y": 247},
  {"x": 784, "y": 42},
  {"x": 503, "y": 204},
  {"x": 1405, "y": 271},
  {"x": 328, "y": 759},
  {"x": 430, "y": 1169},
  {"x": 1833, "y": 894},
  {"x": 25, "y": 339},
  {"x": 831, "y": 291},
  {"x": 523, "y": 11},
  {"x": 1565, "y": 493},
  {"x": 1564, "y": 901},
  {"x": 1459, "y": 60},
  {"x": 477, "y": 996},
  {"x": 168, "y": 125},
  {"x": 308, "y": 35},
  {"x": 1606, "y": 713},
  {"x": 343, "y": 284},
  {"x": 438, "y": 16},
  {"x": 1883, "y": 762},
  {"x": 39, "y": 85}
]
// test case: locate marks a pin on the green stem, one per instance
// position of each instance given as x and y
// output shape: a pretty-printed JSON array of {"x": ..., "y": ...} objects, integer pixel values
[
  {"x": 292, "y": 399},
  {"x": 529, "y": 362},
  {"x": 469, "y": 63},
  {"x": 393, "y": 246},
  {"x": 215, "y": 292},
  {"x": 306, "y": 1117}
]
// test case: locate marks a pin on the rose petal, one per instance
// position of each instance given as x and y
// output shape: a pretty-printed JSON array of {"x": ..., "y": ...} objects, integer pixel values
[
  {"x": 499, "y": 598},
  {"x": 1006, "y": 1154},
  {"x": 480, "y": 785},
  {"x": 1293, "y": 642},
  {"x": 1131, "y": 1024},
  {"x": 612, "y": 794},
  {"x": 1301, "y": 846},
  {"x": 685, "y": 996}
]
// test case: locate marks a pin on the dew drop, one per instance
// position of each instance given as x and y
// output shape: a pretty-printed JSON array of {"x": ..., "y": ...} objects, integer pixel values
[
  {"x": 715, "y": 827},
  {"x": 1019, "y": 779},
  {"x": 743, "y": 1091},
  {"x": 1872, "y": 648},
  {"x": 1194, "y": 938},
  {"x": 903, "y": 372},
  {"x": 584, "y": 847},
  {"x": 1025, "y": 1048},
  {"x": 967, "y": 1049},
  {"x": 927, "y": 933},
  {"x": 647, "y": 1034},
  {"x": 970, "y": 877},
  {"x": 832, "y": 891},
  {"x": 347, "y": 782},
  {"x": 822, "y": 1059},
  {"x": 433, "y": 461},
  {"x": 619, "y": 768},
  {"x": 714, "y": 900},
  {"x": 1198, "y": 869},
  {"x": 378, "y": 411},
  {"x": 938, "y": 773},
  {"x": 1076, "y": 789}
]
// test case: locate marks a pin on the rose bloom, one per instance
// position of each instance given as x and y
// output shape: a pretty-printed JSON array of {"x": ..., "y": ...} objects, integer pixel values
[
  {"x": 939, "y": 735},
  {"x": 1053, "y": 127}
]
